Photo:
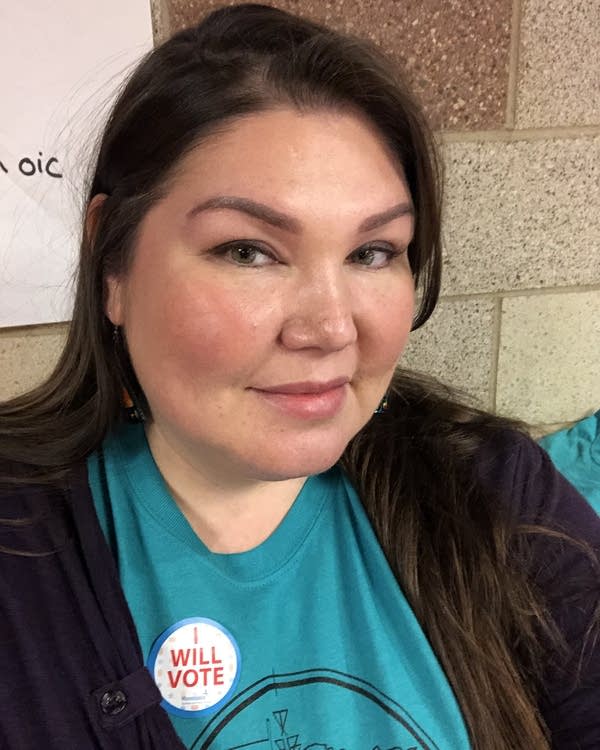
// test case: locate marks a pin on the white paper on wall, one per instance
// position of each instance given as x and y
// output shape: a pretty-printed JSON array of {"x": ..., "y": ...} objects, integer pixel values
[{"x": 62, "y": 63}]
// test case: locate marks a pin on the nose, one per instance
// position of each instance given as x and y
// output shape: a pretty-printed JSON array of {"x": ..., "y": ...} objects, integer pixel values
[{"x": 321, "y": 314}]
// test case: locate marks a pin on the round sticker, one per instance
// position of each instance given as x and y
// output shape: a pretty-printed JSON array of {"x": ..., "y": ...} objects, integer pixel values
[{"x": 196, "y": 665}]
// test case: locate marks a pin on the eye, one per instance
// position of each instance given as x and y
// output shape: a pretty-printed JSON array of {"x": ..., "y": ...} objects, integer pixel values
[
  {"x": 375, "y": 256},
  {"x": 244, "y": 253}
]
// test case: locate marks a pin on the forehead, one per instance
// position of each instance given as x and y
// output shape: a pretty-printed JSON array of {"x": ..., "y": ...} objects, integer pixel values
[{"x": 288, "y": 150}]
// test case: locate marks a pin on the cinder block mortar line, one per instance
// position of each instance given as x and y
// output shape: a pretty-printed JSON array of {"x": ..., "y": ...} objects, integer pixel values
[
  {"x": 534, "y": 292},
  {"x": 41, "y": 329},
  {"x": 45, "y": 329},
  {"x": 496, "y": 334},
  {"x": 539, "y": 429},
  {"x": 161, "y": 27},
  {"x": 513, "y": 65},
  {"x": 526, "y": 134}
]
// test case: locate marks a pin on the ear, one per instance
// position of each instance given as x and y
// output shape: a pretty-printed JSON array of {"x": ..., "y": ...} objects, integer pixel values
[
  {"x": 93, "y": 214},
  {"x": 114, "y": 306}
]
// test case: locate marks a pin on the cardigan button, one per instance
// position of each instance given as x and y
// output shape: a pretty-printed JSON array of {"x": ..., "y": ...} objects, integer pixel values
[{"x": 113, "y": 702}]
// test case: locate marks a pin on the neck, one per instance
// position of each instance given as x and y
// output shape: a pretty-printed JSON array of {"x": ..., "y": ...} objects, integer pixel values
[{"x": 229, "y": 512}]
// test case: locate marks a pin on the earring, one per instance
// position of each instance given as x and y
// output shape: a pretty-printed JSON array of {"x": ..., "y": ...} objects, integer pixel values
[
  {"x": 129, "y": 398},
  {"x": 383, "y": 405}
]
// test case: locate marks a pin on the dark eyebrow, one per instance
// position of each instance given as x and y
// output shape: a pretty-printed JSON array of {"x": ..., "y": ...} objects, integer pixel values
[
  {"x": 378, "y": 220},
  {"x": 289, "y": 223}
]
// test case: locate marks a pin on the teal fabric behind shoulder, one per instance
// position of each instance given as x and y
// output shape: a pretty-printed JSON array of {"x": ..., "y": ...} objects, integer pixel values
[
  {"x": 304, "y": 641},
  {"x": 576, "y": 454}
]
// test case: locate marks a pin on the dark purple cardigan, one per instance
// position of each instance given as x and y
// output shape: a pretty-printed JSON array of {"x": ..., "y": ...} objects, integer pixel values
[{"x": 72, "y": 674}]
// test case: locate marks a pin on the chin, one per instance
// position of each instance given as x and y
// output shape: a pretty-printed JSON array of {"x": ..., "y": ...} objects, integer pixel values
[{"x": 299, "y": 463}]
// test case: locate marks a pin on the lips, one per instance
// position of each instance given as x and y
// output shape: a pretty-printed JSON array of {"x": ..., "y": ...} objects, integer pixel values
[
  {"x": 308, "y": 386},
  {"x": 309, "y": 400}
]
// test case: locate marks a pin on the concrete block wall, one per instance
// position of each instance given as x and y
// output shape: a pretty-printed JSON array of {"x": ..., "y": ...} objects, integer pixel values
[{"x": 512, "y": 88}]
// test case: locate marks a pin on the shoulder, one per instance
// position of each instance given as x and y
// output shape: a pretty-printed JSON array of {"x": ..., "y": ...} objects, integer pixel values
[
  {"x": 521, "y": 474},
  {"x": 561, "y": 532},
  {"x": 36, "y": 517},
  {"x": 561, "y": 529}
]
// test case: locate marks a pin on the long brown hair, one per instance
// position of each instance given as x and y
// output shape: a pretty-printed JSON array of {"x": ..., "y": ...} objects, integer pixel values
[{"x": 442, "y": 534}]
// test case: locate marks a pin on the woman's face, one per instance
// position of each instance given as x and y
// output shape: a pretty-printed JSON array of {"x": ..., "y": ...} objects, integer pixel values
[{"x": 270, "y": 295}]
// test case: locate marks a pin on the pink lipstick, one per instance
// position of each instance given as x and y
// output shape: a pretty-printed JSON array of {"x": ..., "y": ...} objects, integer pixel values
[{"x": 307, "y": 400}]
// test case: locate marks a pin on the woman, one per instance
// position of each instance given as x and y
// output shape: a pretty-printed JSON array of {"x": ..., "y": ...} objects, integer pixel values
[{"x": 227, "y": 520}]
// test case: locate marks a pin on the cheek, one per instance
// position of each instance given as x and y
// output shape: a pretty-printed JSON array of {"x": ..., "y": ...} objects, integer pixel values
[
  {"x": 390, "y": 324},
  {"x": 188, "y": 330}
]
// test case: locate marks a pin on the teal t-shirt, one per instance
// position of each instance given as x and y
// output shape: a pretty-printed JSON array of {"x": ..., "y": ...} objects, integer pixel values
[
  {"x": 576, "y": 454},
  {"x": 305, "y": 641}
]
